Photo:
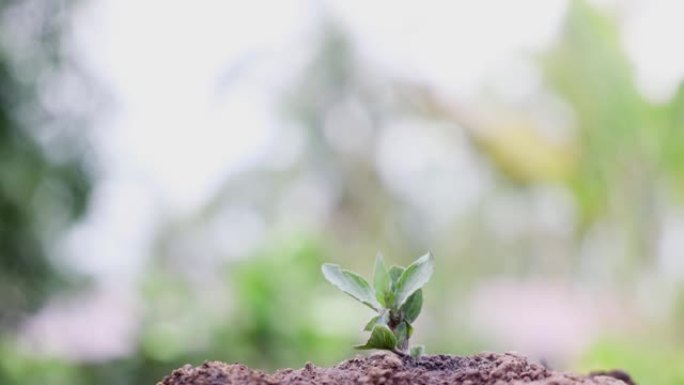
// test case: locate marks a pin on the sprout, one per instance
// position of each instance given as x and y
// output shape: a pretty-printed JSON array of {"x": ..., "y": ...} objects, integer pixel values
[{"x": 396, "y": 296}]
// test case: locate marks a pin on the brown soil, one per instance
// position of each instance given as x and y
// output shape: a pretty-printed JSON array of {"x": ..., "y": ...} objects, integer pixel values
[{"x": 387, "y": 369}]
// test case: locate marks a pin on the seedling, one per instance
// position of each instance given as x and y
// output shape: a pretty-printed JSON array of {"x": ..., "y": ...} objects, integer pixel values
[{"x": 396, "y": 296}]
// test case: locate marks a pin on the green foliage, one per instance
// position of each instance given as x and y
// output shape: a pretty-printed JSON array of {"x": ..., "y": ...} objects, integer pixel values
[
  {"x": 40, "y": 194},
  {"x": 381, "y": 280},
  {"x": 646, "y": 360},
  {"x": 413, "y": 306},
  {"x": 412, "y": 279},
  {"x": 396, "y": 295},
  {"x": 352, "y": 284},
  {"x": 417, "y": 351},
  {"x": 381, "y": 338}
]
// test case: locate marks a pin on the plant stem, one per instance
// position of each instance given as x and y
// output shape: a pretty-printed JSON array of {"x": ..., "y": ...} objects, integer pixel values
[{"x": 399, "y": 352}]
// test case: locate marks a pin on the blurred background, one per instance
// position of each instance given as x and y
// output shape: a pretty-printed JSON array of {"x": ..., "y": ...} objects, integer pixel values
[{"x": 173, "y": 174}]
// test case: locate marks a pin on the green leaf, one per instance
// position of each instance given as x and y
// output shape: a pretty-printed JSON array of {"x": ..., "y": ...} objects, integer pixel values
[
  {"x": 369, "y": 326},
  {"x": 378, "y": 319},
  {"x": 417, "y": 351},
  {"x": 403, "y": 332},
  {"x": 351, "y": 283},
  {"x": 394, "y": 273},
  {"x": 381, "y": 280},
  {"x": 412, "y": 306},
  {"x": 381, "y": 338},
  {"x": 413, "y": 278}
]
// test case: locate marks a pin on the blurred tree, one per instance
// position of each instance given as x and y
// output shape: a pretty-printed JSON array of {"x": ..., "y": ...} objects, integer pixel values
[
  {"x": 43, "y": 184},
  {"x": 589, "y": 69}
]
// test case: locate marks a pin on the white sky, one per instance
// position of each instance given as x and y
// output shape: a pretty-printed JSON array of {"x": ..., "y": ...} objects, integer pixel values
[{"x": 176, "y": 131}]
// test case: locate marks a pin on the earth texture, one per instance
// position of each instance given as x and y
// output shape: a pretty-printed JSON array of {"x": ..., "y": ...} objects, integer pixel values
[{"x": 388, "y": 369}]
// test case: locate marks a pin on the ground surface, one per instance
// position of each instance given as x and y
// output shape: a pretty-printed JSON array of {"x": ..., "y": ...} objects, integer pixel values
[{"x": 481, "y": 369}]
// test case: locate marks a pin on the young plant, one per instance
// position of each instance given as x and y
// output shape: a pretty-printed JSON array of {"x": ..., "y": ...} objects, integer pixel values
[{"x": 396, "y": 296}]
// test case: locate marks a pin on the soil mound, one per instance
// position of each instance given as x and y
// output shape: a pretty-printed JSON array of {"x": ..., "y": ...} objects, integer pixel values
[{"x": 387, "y": 369}]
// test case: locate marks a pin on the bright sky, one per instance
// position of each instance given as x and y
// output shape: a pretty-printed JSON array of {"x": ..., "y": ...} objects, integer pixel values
[{"x": 195, "y": 84}]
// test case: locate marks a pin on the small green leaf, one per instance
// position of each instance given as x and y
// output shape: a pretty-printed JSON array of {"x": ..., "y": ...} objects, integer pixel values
[
  {"x": 394, "y": 273},
  {"x": 417, "y": 351},
  {"x": 351, "y": 283},
  {"x": 402, "y": 332},
  {"x": 369, "y": 326},
  {"x": 380, "y": 319},
  {"x": 381, "y": 280},
  {"x": 413, "y": 278},
  {"x": 412, "y": 306},
  {"x": 381, "y": 338}
]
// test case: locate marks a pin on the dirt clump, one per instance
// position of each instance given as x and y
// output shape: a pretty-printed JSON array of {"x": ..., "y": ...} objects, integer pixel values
[{"x": 387, "y": 369}]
